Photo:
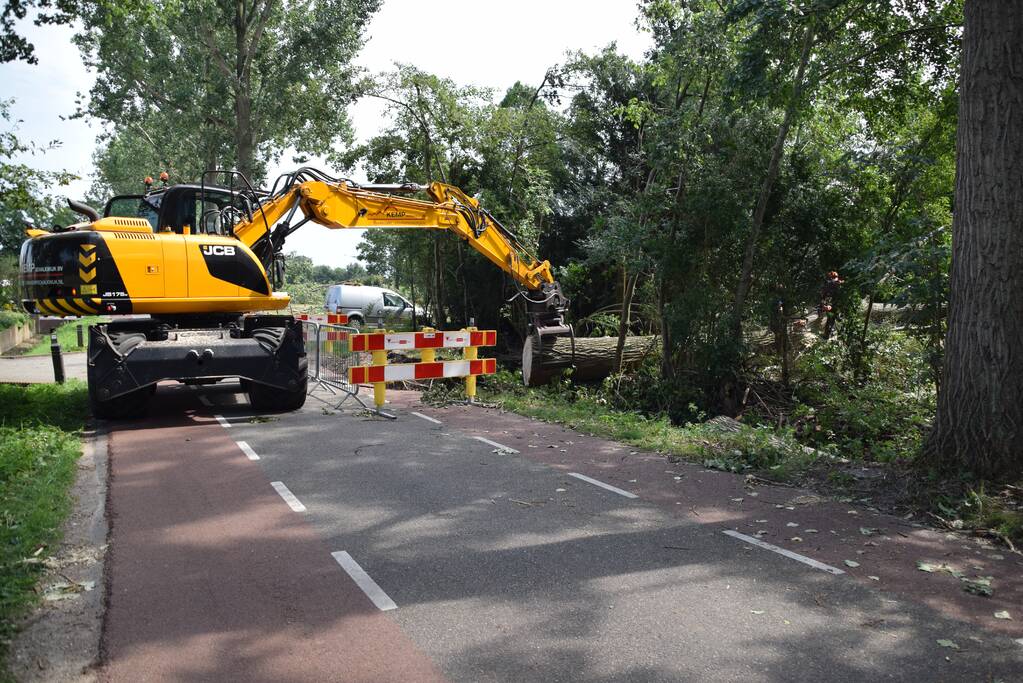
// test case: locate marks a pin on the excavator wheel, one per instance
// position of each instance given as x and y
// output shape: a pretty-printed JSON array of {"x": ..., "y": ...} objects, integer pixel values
[
  {"x": 263, "y": 397},
  {"x": 128, "y": 406}
]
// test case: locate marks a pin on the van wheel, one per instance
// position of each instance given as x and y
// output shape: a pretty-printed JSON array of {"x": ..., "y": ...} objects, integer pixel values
[{"x": 355, "y": 321}]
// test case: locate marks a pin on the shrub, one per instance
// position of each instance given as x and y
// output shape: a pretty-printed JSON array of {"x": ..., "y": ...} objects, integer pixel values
[
  {"x": 11, "y": 319},
  {"x": 879, "y": 414}
]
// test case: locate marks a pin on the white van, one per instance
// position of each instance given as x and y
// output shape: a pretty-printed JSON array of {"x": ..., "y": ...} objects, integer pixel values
[{"x": 367, "y": 305}]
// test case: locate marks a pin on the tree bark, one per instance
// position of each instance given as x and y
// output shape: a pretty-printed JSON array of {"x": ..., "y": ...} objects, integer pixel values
[
  {"x": 245, "y": 155},
  {"x": 625, "y": 319},
  {"x": 440, "y": 317},
  {"x": 979, "y": 422},
  {"x": 777, "y": 152},
  {"x": 594, "y": 357}
]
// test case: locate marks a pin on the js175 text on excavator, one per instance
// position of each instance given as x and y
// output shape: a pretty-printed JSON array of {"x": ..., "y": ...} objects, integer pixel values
[{"x": 188, "y": 274}]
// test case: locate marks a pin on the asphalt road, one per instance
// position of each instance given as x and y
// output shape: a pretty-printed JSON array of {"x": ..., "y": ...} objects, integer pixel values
[
  {"x": 39, "y": 369},
  {"x": 497, "y": 567}
]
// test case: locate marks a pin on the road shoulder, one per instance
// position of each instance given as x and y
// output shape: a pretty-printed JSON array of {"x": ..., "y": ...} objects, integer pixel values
[{"x": 59, "y": 640}]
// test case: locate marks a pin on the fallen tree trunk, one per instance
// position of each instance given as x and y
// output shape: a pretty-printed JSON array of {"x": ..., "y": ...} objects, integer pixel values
[{"x": 594, "y": 357}]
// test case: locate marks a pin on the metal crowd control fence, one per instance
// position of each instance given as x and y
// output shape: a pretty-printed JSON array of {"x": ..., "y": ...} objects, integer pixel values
[
  {"x": 329, "y": 359},
  {"x": 426, "y": 342}
]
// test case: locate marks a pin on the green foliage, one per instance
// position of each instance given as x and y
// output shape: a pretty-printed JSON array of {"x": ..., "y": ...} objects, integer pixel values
[
  {"x": 590, "y": 410},
  {"x": 999, "y": 514},
  {"x": 506, "y": 153},
  {"x": 11, "y": 319},
  {"x": 67, "y": 336},
  {"x": 25, "y": 198},
  {"x": 750, "y": 448},
  {"x": 196, "y": 85},
  {"x": 307, "y": 282},
  {"x": 39, "y": 444},
  {"x": 880, "y": 416},
  {"x": 63, "y": 406},
  {"x": 13, "y": 45}
]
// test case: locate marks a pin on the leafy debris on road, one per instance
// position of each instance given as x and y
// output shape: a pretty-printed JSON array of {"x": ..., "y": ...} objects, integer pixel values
[
  {"x": 1003, "y": 614},
  {"x": 66, "y": 590},
  {"x": 850, "y": 563},
  {"x": 948, "y": 643},
  {"x": 932, "y": 568},
  {"x": 980, "y": 585}
]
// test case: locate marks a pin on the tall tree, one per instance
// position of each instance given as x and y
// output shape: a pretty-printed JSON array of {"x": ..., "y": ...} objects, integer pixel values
[
  {"x": 13, "y": 45},
  {"x": 26, "y": 193},
  {"x": 979, "y": 424},
  {"x": 230, "y": 83}
]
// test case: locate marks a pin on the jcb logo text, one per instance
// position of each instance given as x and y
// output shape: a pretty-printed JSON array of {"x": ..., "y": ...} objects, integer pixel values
[{"x": 216, "y": 249}]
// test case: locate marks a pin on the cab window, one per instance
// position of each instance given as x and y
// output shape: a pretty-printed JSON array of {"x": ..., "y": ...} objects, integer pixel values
[
  {"x": 393, "y": 300},
  {"x": 204, "y": 214},
  {"x": 136, "y": 206}
]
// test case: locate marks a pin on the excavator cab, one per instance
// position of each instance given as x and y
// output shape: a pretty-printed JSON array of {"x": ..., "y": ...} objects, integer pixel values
[{"x": 184, "y": 209}]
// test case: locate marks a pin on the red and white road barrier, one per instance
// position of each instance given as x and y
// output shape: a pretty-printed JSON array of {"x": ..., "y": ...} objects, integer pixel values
[
  {"x": 399, "y": 372},
  {"x": 426, "y": 342},
  {"x": 405, "y": 341},
  {"x": 328, "y": 319}
]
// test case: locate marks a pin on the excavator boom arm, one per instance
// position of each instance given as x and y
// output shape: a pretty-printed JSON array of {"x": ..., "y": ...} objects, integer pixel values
[{"x": 343, "y": 205}]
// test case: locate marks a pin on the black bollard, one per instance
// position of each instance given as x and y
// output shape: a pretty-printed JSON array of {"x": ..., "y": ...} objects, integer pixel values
[
  {"x": 58, "y": 360},
  {"x": 81, "y": 336}
]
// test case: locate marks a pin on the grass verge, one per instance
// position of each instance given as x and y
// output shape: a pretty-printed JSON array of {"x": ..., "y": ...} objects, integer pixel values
[
  {"x": 67, "y": 335},
  {"x": 40, "y": 441},
  {"x": 740, "y": 448}
]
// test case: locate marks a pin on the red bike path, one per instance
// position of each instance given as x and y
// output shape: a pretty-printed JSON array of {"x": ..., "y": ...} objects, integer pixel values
[{"x": 212, "y": 577}]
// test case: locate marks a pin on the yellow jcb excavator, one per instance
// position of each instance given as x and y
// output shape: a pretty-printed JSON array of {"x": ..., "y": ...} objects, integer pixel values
[{"x": 202, "y": 261}]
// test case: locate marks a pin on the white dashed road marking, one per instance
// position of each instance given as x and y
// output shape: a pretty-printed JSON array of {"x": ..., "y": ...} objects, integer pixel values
[
  {"x": 223, "y": 423},
  {"x": 613, "y": 489},
  {"x": 781, "y": 551},
  {"x": 363, "y": 580},
  {"x": 426, "y": 417},
  {"x": 288, "y": 496},
  {"x": 495, "y": 444},
  {"x": 247, "y": 450}
]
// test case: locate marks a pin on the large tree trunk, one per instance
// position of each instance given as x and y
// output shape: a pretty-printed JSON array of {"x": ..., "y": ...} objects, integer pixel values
[
  {"x": 244, "y": 149},
  {"x": 979, "y": 424},
  {"x": 594, "y": 357}
]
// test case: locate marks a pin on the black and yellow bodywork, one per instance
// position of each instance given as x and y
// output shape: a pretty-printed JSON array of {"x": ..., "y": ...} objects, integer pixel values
[
  {"x": 196, "y": 258},
  {"x": 119, "y": 266}
]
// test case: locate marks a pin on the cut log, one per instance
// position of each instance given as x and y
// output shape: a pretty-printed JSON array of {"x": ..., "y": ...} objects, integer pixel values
[{"x": 594, "y": 357}]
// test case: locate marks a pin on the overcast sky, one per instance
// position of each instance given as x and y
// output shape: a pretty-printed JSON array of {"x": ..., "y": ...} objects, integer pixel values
[{"x": 507, "y": 41}]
